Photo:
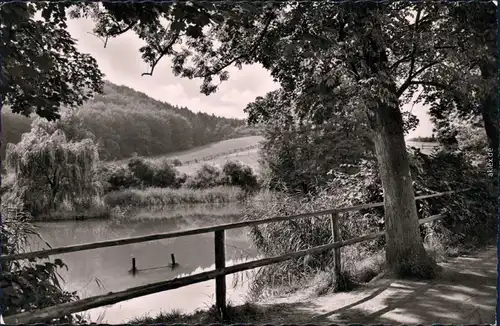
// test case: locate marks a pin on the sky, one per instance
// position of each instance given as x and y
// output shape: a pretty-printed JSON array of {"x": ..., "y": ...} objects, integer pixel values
[{"x": 121, "y": 63}]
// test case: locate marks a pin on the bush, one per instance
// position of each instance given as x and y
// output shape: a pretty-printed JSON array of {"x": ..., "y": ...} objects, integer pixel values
[
  {"x": 237, "y": 174},
  {"x": 164, "y": 176},
  {"x": 176, "y": 162},
  {"x": 278, "y": 238},
  {"x": 208, "y": 176},
  {"x": 471, "y": 217},
  {"x": 119, "y": 177},
  {"x": 141, "y": 170},
  {"x": 26, "y": 286},
  {"x": 140, "y": 173},
  {"x": 180, "y": 180}
]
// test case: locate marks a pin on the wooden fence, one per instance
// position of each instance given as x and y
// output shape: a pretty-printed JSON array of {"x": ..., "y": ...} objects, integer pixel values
[
  {"x": 46, "y": 314},
  {"x": 212, "y": 157}
]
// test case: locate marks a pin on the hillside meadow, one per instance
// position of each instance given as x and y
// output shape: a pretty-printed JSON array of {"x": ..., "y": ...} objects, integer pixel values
[
  {"x": 125, "y": 122},
  {"x": 218, "y": 153}
]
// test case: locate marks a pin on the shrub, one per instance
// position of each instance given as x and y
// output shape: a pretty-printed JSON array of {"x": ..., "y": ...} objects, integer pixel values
[
  {"x": 471, "y": 217},
  {"x": 180, "y": 180},
  {"x": 237, "y": 174},
  {"x": 141, "y": 170},
  {"x": 279, "y": 238},
  {"x": 164, "y": 176},
  {"x": 177, "y": 162},
  {"x": 120, "y": 177},
  {"x": 28, "y": 285},
  {"x": 208, "y": 176}
]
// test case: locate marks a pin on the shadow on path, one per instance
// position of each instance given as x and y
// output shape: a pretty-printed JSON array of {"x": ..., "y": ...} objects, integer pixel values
[{"x": 464, "y": 293}]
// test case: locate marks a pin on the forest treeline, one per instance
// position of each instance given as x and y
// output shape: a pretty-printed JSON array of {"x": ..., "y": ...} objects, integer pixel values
[{"x": 125, "y": 122}]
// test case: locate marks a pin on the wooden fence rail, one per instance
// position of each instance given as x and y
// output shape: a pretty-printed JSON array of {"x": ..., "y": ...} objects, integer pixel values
[
  {"x": 208, "y": 229},
  {"x": 46, "y": 314}
]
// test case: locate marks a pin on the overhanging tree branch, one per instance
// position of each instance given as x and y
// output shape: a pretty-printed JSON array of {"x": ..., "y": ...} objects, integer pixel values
[
  {"x": 408, "y": 82},
  {"x": 162, "y": 53},
  {"x": 254, "y": 48},
  {"x": 430, "y": 83}
]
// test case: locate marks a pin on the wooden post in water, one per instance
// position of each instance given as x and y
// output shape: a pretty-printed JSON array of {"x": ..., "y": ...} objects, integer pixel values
[
  {"x": 134, "y": 268},
  {"x": 173, "y": 264},
  {"x": 220, "y": 281},
  {"x": 336, "y": 237}
]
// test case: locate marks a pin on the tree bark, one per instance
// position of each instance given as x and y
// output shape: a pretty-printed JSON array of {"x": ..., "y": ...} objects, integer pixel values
[
  {"x": 491, "y": 126},
  {"x": 405, "y": 253},
  {"x": 489, "y": 111}
]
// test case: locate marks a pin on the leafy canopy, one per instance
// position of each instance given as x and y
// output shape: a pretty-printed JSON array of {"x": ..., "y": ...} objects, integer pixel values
[
  {"x": 323, "y": 54},
  {"x": 41, "y": 67}
]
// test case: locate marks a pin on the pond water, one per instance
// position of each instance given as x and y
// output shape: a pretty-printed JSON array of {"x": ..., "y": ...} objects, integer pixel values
[{"x": 105, "y": 270}]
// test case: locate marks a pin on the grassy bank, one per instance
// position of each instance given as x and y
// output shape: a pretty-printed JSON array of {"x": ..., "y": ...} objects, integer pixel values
[
  {"x": 94, "y": 214},
  {"x": 246, "y": 314},
  {"x": 289, "y": 309},
  {"x": 159, "y": 197},
  {"x": 261, "y": 311},
  {"x": 117, "y": 203}
]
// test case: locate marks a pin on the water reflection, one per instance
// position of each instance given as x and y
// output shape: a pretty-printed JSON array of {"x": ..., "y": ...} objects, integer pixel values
[{"x": 104, "y": 270}]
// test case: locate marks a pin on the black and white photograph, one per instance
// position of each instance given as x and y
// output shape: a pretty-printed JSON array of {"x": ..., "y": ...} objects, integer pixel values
[{"x": 249, "y": 162}]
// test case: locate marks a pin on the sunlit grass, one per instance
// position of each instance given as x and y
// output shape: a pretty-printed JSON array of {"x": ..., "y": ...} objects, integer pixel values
[
  {"x": 242, "y": 314},
  {"x": 159, "y": 197}
]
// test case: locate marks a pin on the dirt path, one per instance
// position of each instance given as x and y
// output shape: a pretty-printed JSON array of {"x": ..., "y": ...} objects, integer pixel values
[{"x": 465, "y": 293}]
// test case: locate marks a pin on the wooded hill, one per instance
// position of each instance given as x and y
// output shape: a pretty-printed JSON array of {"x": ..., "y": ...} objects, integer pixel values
[{"x": 125, "y": 122}]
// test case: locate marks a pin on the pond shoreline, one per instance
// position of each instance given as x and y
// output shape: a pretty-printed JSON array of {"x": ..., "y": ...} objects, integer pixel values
[
  {"x": 198, "y": 210},
  {"x": 100, "y": 271}
]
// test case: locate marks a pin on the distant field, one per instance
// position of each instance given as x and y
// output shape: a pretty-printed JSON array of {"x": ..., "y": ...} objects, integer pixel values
[
  {"x": 235, "y": 150},
  {"x": 425, "y": 147},
  {"x": 249, "y": 157},
  {"x": 216, "y": 153}
]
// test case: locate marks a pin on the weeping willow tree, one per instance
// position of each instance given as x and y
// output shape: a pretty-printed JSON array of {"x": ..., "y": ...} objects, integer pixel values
[{"x": 51, "y": 171}]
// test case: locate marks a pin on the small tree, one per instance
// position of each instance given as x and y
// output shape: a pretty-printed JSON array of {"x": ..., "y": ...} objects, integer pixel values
[
  {"x": 119, "y": 177},
  {"x": 141, "y": 170},
  {"x": 165, "y": 176},
  {"x": 208, "y": 176},
  {"x": 237, "y": 174},
  {"x": 49, "y": 170}
]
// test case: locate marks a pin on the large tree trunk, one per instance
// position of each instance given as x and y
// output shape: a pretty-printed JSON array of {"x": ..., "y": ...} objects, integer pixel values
[
  {"x": 489, "y": 110},
  {"x": 405, "y": 253},
  {"x": 488, "y": 106}
]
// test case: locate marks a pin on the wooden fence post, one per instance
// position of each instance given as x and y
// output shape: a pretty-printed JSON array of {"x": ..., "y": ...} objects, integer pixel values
[
  {"x": 336, "y": 237},
  {"x": 220, "y": 281}
]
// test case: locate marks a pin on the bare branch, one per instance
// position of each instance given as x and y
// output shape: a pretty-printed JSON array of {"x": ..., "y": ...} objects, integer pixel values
[
  {"x": 105, "y": 41},
  {"x": 120, "y": 30},
  {"x": 412, "y": 56}
]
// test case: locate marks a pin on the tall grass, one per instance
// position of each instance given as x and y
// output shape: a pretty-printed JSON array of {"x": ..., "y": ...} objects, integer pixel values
[
  {"x": 159, "y": 197},
  {"x": 275, "y": 239},
  {"x": 245, "y": 314}
]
